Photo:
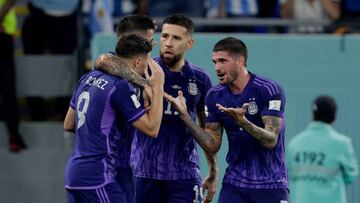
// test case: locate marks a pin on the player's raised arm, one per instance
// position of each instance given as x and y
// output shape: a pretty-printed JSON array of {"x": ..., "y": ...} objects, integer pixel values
[
  {"x": 150, "y": 122},
  {"x": 112, "y": 64}
]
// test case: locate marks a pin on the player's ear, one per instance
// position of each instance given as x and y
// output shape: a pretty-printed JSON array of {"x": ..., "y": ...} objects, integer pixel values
[
  {"x": 136, "y": 62},
  {"x": 190, "y": 43}
]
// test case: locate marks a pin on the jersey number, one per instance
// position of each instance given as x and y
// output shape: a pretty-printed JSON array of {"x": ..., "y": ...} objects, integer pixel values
[
  {"x": 84, "y": 98},
  {"x": 313, "y": 158}
]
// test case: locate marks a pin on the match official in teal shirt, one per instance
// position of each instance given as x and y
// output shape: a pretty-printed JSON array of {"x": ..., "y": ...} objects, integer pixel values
[{"x": 320, "y": 160}]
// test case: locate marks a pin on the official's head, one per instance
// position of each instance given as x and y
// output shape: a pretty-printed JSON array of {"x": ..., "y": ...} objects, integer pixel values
[{"x": 324, "y": 109}]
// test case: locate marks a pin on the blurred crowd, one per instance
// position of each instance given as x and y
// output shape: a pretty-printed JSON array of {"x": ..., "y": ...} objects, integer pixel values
[
  {"x": 67, "y": 26},
  {"x": 305, "y": 16}
]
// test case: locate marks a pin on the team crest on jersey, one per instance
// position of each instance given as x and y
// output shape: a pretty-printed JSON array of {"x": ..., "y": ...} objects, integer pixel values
[
  {"x": 192, "y": 88},
  {"x": 252, "y": 109}
]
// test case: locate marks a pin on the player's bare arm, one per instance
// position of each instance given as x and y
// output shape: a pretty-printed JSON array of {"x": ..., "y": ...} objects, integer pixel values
[
  {"x": 267, "y": 136},
  {"x": 69, "y": 122},
  {"x": 210, "y": 138},
  {"x": 150, "y": 122},
  {"x": 113, "y": 65},
  {"x": 209, "y": 183}
]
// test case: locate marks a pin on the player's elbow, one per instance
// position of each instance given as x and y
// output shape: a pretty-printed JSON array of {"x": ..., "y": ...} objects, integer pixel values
[
  {"x": 101, "y": 60},
  {"x": 153, "y": 133},
  {"x": 211, "y": 148},
  {"x": 68, "y": 127},
  {"x": 271, "y": 144}
]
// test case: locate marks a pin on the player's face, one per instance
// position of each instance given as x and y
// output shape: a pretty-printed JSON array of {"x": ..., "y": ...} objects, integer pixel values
[
  {"x": 227, "y": 68},
  {"x": 174, "y": 42}
]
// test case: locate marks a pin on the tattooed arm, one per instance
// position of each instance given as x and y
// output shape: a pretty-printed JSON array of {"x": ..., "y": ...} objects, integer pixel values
[
  {"x": 267, "y": 136},
  {"x": 209, "y": 183},
  {"x": 210, "y": 138},
  {"x": 113, "y": 65}
]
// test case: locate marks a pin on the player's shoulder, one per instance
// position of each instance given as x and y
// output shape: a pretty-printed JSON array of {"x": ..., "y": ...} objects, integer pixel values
[
  {"x": 198, "y": 71},
  {"x": 215, "y": 90},
  {"x": 267, "y": 85}
]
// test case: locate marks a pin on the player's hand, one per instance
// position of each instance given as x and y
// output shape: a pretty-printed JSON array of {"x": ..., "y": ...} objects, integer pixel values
[
  {"x": 237, "y": 113},
  {"x": 179, "y": 103},
  {"x": 209, "y": 188},
  {"x": 157, "y": 77}
]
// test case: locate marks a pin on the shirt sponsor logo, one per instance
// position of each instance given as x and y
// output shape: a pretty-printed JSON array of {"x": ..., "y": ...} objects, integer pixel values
[
  {"x": 192, "y": 88},
  {"x": 275, "y": 105},
  {"x": 252, "y": 109}
]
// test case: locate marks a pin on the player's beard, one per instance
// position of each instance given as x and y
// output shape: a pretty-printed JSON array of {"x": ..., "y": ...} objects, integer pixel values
[
  {"x": 170, "y": 62},
  {"x": 231, "y": 77}
]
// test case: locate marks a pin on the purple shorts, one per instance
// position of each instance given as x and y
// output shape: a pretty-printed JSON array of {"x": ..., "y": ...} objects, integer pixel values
[
  {"x": 167, "y": 191},
  {"x": 125, "y": 178},
  {"x": 234, "y": 194},
  {"x": 110, "y": 193}
]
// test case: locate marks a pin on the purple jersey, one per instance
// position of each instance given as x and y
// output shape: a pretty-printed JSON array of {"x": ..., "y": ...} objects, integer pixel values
[
  {"x": 251, "y": 165},
  {"x": 173, "y": 154},
  {"x": 105, "y": 106}
]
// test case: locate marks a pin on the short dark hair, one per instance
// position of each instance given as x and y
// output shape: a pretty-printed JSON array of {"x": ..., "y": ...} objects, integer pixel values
[
  {"x": 131, "y": 45},
  {"x": 232, "y": 45},
  {"x": 134, "y": 23},
  {"x": 324, "y": 109},
  {"x": 180, "y": 20}
]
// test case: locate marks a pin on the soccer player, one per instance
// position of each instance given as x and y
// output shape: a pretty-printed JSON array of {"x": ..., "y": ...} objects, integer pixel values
[
  {"x": 143, "y": 26},
  {"x": 321, "y": 161},
  {"x": 251, "y": 109},
  {"x": 170, "y": 172},
  {"x": 101, "y": 110}
]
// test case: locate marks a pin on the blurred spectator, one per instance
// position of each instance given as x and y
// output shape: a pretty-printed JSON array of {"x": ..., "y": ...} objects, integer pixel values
[
  {"x": 242, "y": 9},
  {"x": 7, "y": 77},
  {"x": 349, "y": 22},
  {"x": 162, "y": 8},
  {"x": 50, "y": 27},
  {"x": 101, "y": 17},
  {"x": 320, "y": 160},
  {"x": 311, "y": 11}
]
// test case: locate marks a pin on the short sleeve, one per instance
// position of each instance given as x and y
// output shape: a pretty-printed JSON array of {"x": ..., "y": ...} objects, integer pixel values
[
  {"x": 127, "y": 101},
  {"x": 274, "y": 101}
]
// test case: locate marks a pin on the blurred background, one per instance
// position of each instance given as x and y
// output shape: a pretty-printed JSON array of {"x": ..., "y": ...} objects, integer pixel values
[{"x": 310, "y": 47}]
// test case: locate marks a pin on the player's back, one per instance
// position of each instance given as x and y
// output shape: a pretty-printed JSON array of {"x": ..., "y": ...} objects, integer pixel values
[{"x": 96, "y": 134}]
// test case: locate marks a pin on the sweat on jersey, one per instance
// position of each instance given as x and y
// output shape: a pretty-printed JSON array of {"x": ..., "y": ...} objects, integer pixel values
[
  {"x": 105, "y": 106},
  {"x": 173, "y": 154},
  {"x": 251, "y": 165}
]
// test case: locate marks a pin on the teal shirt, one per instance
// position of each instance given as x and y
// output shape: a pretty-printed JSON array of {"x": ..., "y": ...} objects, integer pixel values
[{"x": 320, "y": 162}]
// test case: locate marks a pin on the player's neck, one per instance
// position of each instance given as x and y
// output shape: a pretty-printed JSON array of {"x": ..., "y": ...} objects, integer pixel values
[
  {"x": 238, "y": 85},
  {"x": 178, "y": 66}
]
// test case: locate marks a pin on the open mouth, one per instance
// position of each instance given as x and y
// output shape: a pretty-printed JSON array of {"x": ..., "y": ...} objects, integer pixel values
[{"x": 221, "y": 76}]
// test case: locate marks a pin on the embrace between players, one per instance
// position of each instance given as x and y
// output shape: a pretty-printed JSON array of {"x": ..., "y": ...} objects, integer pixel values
[{"x": 131, "y": 145}]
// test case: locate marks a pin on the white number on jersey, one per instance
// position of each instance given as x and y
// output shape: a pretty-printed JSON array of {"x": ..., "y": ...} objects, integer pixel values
[{"x": 84, "y": 96}]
